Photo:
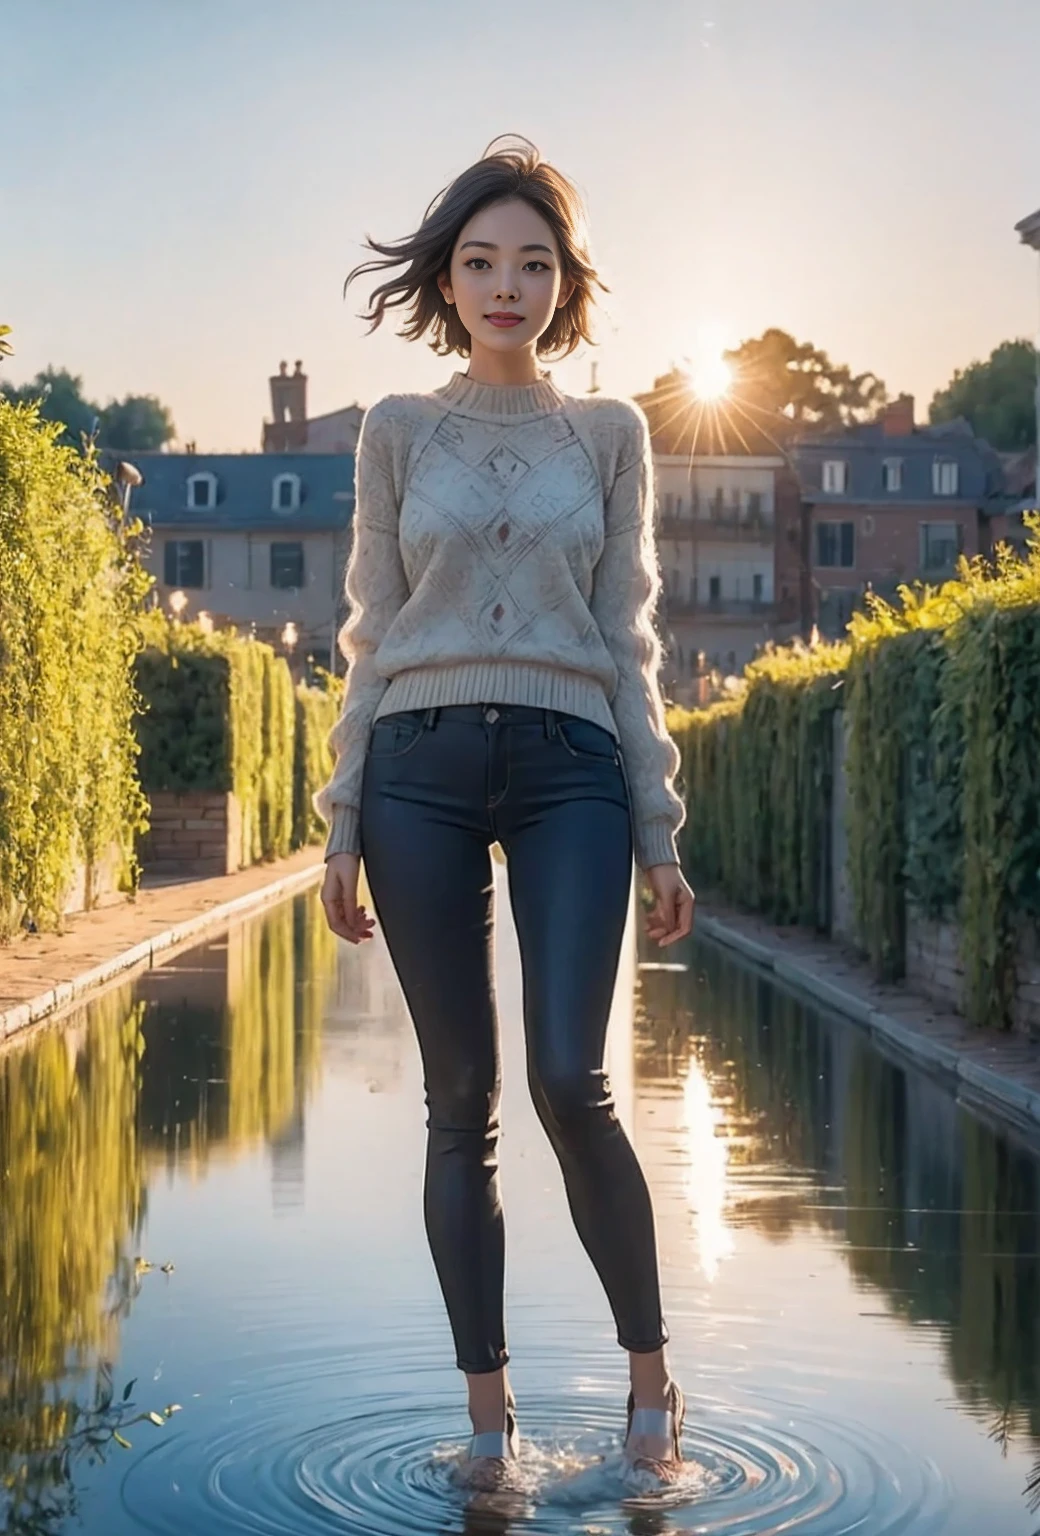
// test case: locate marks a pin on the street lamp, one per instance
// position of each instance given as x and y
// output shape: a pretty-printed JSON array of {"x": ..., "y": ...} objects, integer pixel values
[{"x": 1028, "y": 231}]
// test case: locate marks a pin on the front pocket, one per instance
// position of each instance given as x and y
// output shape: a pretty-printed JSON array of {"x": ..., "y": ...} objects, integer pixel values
[
  {"x": 584, "y": 738},
  {"x": 393, "y": 736}
]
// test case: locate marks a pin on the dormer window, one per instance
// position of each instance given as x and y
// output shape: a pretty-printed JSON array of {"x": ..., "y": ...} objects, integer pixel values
[
  {"x": 202, "y": 491},
  {"x": 285, "y": 493}
]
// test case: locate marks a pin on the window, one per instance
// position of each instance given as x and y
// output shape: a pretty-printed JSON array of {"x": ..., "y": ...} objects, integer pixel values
[
  {"x": 892, "y": 474},
  {"x": 285, "y": 493},
  {"x": 669, "y": 504},
  {"x": 836, "y": 544},
  {"x": 287, "y": 565},
  {"x": 754, "y": 506},
  {"x": 944, "y": 477},
  {"x": 714, "y": 588},
  {"x": 757, "y": 585},
  {"x": 835, "y": 476},
  {"x": 718, "y": 502},
  {"x": 202, "y": 491},
  {"x": 941, "y": 543},
  {"x": 183, "y": 563}
]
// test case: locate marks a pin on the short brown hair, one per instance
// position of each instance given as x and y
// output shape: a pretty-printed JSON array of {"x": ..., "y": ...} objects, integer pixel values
[{"x": 510, "y": 172}]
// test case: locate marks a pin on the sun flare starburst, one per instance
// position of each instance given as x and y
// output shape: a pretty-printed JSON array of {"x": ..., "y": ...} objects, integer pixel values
[{"x": 711, "y": 377}]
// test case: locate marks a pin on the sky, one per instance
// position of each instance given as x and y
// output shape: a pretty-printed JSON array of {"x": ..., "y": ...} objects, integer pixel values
[{"x": 184, "y": 184}]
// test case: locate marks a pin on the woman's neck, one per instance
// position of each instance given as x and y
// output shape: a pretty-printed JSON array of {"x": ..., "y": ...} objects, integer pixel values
[{"x": 502, "y": 369}]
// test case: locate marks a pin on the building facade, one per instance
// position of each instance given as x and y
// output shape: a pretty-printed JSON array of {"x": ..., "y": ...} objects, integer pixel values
[
  {"x": 890, "y": 503},
  {"x": 726, "y": 497},
  {"x": 254, "y": 540}
]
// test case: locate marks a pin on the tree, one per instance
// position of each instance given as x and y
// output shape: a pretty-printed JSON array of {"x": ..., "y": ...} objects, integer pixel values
[
  {"x": 776, "y": 376},
  {"x": 139, "y": 422},
  {"x": 997, "y": 397},
  {"x": 63, "y": 400}
]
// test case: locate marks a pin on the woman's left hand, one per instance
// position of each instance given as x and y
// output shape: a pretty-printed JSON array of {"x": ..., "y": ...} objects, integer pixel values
[{"x": 671, "y": 916}]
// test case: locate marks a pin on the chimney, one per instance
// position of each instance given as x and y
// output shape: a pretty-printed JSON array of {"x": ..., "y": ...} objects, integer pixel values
[
  {"x": 281, "y": 388},
  {"x": 897, "y": 419},
  {"x": 288, "y": 432}
]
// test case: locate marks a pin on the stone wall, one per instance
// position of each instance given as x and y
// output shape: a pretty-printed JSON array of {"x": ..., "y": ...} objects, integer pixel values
[{"x": 193, "y": 832}]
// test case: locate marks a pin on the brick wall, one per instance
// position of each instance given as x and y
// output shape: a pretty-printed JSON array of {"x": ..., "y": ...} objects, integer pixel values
[
  {"x": 193, "y": 832},
  {"x": 887, "y": 544}
]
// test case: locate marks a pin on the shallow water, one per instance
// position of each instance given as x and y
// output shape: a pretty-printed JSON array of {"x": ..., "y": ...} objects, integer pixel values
[{"x": 850, "y": 1261}]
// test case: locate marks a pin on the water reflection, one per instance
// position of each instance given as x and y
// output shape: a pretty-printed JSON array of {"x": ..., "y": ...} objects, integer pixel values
[
  {"x": 87, "y": 1112},
  {"x": 850, "y": 1261}
]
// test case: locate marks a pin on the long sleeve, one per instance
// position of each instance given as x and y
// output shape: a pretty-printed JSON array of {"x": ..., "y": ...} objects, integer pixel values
[
  {"x": 377, "y": 589},
  {"x": 626, "y": 582}
]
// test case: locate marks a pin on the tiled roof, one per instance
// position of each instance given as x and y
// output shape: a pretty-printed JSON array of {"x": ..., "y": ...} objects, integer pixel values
[{"x": 244, "y": 489}]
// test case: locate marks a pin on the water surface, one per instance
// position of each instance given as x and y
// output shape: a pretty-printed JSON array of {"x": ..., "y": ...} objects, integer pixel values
[{"x": 850, "y": 1262}]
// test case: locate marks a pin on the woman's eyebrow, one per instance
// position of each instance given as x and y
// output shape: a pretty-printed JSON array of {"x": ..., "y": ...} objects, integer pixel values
[{"x": 486, "y": 245}]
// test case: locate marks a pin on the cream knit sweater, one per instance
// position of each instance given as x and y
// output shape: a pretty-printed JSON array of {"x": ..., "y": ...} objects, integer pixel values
[{"x": 503, "y": 553}]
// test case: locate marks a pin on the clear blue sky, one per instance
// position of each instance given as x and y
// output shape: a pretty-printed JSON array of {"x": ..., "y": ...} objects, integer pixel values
[{"x": 185, "y": 183}]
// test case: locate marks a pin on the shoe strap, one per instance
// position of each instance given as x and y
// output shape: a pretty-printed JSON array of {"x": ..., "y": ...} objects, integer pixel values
[
  {"x": 658, "y": 1423},
  {"x": 493, "y": 1442}
]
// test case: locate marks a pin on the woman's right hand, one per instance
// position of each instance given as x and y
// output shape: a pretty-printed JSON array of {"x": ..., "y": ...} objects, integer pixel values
[{"x": 339, "y": 898}]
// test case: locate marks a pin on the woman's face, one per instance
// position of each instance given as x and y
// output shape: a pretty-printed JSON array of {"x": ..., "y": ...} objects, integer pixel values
[{"x": 506, "y": 279}]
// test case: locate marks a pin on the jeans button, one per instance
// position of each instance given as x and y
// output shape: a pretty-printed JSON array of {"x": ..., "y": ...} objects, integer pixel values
[{"x": 491, "y": 714}]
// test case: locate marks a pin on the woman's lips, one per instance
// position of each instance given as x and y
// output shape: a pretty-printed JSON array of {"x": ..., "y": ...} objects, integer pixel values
[{"x": 504, "y": 320}]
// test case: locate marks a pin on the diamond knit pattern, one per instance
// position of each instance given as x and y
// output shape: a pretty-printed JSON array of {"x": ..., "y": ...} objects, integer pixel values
[{"x": 503, "y": 552}]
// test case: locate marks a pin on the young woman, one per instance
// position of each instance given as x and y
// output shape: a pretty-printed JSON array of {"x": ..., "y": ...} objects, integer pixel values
[{"x": 502, "y": 687}]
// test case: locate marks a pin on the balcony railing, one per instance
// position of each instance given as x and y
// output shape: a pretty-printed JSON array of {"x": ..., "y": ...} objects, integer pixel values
[{"x": 758, "y": 528}]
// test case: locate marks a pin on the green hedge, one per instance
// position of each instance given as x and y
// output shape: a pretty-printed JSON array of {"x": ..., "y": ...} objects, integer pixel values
[
  {"x": 71, "y": 586},
  {"x": 941, "y": 698},
  {"x": 759, "y": 770},
  {"x": 317, "y": 710},
  {"x": 221, "y": 713}
]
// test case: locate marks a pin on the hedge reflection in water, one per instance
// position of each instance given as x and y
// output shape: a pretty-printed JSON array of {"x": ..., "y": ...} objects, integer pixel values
[
  {"x": 933, "y": 1208},
  {"x": 87, "y": 1113}
]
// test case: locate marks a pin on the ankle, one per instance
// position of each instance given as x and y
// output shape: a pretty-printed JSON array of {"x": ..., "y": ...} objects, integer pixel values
[{"x": 488, "y": 1402}]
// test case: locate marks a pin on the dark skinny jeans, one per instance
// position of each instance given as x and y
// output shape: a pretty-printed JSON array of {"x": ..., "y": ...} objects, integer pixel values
[{"x": 440, "y": 785}]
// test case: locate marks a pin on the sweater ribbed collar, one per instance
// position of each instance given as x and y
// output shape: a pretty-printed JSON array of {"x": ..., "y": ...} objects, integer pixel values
[{"x": 497, "y": 402}]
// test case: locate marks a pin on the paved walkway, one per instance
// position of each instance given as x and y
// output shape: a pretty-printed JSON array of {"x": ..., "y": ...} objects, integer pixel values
[
  {"x": 987, "y": 1068},
  {"x": 40, "y": 973}
]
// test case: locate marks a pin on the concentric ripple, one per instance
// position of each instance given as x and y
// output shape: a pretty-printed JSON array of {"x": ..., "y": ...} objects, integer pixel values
[{"x": 280, "y": 1469}]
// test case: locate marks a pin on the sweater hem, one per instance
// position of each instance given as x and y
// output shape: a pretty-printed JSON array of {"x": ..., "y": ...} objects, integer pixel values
[{"x": 500, "y": 682}]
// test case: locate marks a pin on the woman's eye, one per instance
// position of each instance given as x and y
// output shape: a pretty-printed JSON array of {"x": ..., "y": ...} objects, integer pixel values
[
  {"x": 543, "y": 264},
  {"x": 481, "y": 259}
]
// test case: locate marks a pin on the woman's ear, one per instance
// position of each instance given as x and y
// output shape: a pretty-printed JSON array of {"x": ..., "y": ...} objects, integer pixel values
[
  {"x": 444, "y": 284},
  {"x": 567, "y": 287}
]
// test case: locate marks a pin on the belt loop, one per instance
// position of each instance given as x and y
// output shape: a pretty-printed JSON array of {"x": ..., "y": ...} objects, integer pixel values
[
  {"x": 550, "y": 723},
  {"x": 431, "y": 716}
]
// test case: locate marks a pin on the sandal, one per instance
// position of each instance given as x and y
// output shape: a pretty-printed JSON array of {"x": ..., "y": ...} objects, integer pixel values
[
  {"x": 661, "y": 1424},
  {"x": 489, "y": 1453}
]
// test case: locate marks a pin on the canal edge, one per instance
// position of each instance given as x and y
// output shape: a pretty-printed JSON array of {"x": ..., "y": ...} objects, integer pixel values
[
  {"x": 976, "y": 1086},
  {"x": 45, "y": 1005}
]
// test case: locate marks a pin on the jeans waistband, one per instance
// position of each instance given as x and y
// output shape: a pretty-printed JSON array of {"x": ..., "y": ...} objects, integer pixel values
[{"x": 487, "y": 714}]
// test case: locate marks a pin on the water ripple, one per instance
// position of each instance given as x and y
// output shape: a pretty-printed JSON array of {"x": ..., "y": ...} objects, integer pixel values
[{"x": 379, "y": 1469}]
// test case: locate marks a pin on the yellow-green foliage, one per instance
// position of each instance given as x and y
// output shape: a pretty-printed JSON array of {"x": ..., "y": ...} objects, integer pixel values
[
  {"x": 943, "y": 774},
  {"x": 71, "y": 587},
  {"x": 220, "y": 716},
  {"x": 758, "y": 772},
  {"x": 317, "y": 710}
]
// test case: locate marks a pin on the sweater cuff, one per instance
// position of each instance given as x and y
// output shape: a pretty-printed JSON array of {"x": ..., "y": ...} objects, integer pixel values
[
  {"x": 343, "y": 831},
  {"x": 655, "y": 843}
]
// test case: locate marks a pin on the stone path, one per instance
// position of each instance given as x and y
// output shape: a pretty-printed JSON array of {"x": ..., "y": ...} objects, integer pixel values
[
  {"x": 987, "y": 1068},
  {"x": 41, "y": 973}
]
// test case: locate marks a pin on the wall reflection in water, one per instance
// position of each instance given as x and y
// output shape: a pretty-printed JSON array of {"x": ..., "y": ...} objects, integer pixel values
[{"x": 793, "y": 1122}]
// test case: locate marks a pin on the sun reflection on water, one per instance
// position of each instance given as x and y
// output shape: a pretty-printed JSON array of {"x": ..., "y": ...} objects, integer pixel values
[{"x": 707, "y": 1143}]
